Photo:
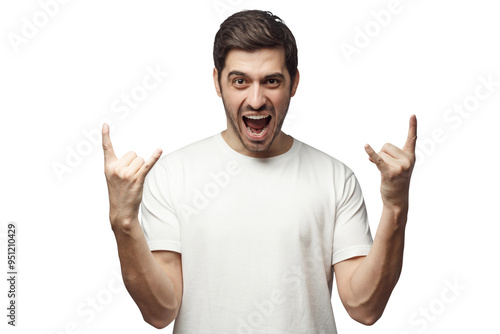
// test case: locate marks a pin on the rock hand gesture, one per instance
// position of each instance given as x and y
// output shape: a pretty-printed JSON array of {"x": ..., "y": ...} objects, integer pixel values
[
  {"x": 125, "y": 179},
  {"x": 396, "y": 166}
]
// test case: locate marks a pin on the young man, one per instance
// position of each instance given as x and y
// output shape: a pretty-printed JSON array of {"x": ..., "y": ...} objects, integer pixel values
[{"x": 261, "y": 219}]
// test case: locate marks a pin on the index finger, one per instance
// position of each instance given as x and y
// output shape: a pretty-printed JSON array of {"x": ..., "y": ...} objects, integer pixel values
[
  {"x": 107, "y": 146},
  {"x": 411, "y": 141}
]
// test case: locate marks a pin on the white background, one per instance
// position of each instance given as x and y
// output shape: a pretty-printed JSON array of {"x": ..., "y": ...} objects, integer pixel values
[{"x": 64, "y": 80}]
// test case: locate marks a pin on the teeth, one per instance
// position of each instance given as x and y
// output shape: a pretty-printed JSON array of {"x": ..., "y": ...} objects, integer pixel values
[{"x": 256, "y": 116}]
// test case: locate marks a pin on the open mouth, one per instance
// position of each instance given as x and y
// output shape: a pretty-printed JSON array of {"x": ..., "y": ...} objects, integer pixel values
[{"x": 257, "y": 125}]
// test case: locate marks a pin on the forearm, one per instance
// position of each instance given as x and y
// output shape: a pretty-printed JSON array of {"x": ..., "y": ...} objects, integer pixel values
[
  {"x": 150, "y": 287},
  {"x": 374, "y": 279},
  {"x": 369, "y": 281}
]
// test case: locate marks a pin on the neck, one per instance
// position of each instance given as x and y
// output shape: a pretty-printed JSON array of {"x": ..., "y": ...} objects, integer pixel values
[{"x": 281, "y": 144}]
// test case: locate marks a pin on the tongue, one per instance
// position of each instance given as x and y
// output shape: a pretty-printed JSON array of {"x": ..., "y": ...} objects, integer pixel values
[{"x": 256, "y": 124}]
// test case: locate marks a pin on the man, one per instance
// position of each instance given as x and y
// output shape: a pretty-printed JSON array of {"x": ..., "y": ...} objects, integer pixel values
[{"x": 261, "y": 219}]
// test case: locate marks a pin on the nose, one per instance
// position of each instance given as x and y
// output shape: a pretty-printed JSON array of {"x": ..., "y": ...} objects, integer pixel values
[{"x": 256, "y": 98}]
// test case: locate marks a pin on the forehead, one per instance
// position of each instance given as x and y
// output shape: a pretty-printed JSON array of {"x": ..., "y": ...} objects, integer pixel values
[{"x": 259, "y": 62}]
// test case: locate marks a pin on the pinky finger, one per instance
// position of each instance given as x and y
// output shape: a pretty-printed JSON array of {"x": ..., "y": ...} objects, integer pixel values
[
  {"x": 375, "y": 158},
  {"x": 144, "y": 170}
]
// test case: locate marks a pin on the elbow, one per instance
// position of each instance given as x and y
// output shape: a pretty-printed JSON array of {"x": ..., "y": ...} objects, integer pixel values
[
  {"x": 366, "y": 311},
  {"x": 162, "y": 316},
  {"x": 157, "y": 312},
  {"x": 161, "y": 321},
  {"x": 368, "y": 320},
  {"x": 365, "y": 315},
  {"x": 157, "y": 323}
]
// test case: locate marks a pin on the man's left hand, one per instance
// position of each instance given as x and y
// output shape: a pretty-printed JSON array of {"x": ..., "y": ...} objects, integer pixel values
[{"x": 396, "y": 166}]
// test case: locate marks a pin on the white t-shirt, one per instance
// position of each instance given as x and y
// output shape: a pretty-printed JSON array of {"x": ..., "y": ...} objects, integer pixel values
[{"x": 258, "y": 237}]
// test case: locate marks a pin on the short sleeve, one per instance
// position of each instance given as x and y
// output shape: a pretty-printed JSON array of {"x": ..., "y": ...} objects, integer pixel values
[
  {"x": 352, "y": 236},
  {"x": 158, "y": 217}
]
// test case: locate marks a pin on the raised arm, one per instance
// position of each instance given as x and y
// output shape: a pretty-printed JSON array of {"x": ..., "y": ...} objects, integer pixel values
[
  {"x": 154, "y": 280},
  {"x": 366, "y": 283}
]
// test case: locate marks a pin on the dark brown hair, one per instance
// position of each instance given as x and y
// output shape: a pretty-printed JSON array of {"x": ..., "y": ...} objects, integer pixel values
[{"x": 253, "y": 30}]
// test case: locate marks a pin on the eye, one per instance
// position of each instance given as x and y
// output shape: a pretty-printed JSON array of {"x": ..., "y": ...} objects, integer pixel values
[
  {"x": 239, "y": 82},
  {"x": 273, "y": 82}
]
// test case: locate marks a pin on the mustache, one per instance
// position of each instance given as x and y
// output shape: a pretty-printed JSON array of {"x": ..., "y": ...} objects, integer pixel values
[{"x": 264, "y": 107}]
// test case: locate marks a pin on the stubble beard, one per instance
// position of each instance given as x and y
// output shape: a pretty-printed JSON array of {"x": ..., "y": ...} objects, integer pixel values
[{"x": 234, "y": 123}]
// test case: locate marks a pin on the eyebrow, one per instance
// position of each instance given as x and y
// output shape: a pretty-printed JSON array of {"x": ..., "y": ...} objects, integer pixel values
[
  {"x": 269, "y": 76},
  {"x": 237, "y": 73},
  {"x": 275, "y": 75}
]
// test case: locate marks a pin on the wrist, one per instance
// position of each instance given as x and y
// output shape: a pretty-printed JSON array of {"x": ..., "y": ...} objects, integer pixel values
[
  {"x": 396, "y": 207},
  {"x": 398, "y": 213},
  {"x": 123, "y": 224},
  {"x": 396, "y": 203}
]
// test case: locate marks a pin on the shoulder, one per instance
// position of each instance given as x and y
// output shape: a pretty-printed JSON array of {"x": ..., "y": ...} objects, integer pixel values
[
  {"x": 195, "y": 151},
  {"x": 321, "y": 160},
  {"x": 172, "y": 166}
]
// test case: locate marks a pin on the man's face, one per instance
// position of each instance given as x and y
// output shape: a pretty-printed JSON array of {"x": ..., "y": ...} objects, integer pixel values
[{"x": 256, "y": 89}]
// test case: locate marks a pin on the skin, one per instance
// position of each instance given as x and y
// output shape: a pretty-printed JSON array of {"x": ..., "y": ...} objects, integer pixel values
[
  {"x": 366, "y": 283},
  {"x": 257, "y": 82},
  {"x": 153, "y": 279}
]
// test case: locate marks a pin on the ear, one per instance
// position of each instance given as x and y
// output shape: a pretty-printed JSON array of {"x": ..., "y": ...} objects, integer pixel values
[
  {"x": 216, "y": 82},
  {"x": 295, "y": 83}
]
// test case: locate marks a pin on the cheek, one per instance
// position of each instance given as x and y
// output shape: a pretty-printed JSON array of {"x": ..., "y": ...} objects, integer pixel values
[
  {"x": 280, "y": 101},
  {"x": 234, "y": 101}
]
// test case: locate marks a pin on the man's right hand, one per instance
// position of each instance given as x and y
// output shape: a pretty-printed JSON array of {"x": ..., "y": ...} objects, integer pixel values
[{"x": 125, "y": 179}]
